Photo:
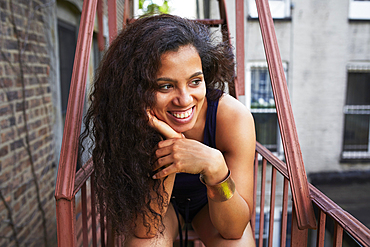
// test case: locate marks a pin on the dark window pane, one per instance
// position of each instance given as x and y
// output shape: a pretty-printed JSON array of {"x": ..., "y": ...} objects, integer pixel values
[
  {"x": 356, "y": 133},
  {"x": 358, "y": 89},
  {"x": 67, "y": 48},
  {"x": 266, "y": 129}
]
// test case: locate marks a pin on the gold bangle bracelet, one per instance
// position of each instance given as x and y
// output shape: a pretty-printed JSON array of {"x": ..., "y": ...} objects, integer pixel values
[{"x": 222, "y": 191}]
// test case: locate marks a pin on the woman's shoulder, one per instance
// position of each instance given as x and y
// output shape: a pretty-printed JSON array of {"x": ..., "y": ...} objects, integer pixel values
[
  {"x": 234, "y": 121},
  {"x": 232, "y": 109}
]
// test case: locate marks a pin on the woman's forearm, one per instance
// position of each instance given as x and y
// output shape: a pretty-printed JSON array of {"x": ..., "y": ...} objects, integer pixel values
[
  {"x": 230, "y": 217},
  {"x": 140, "y": 230}
]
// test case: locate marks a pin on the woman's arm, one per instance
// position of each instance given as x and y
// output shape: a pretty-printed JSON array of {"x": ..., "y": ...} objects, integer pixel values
[
  {"x": 235, "y": 138},
  {"x": 140, "y": 230}
]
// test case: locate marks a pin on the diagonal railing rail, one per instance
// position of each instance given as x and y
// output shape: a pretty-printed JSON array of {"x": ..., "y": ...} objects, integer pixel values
[{"x": 292, "y": 150}]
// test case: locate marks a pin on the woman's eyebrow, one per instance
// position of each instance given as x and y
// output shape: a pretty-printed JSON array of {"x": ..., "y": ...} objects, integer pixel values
[
  {"x": 165, "y": 79},
  {"x": 172, "y": 80},
  {"x": 196, "y": 74}
]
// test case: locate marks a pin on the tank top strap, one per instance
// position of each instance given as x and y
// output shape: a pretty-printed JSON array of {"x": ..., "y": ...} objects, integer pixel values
[{"x": 210, "y": 126}]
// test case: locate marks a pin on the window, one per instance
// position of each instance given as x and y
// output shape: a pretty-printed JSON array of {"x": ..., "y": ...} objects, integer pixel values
[
  {"x": 280, "y": 9},
  {"x": 357, "y": 116},
  {"x": 359, "y": 10},
  {"x": 261, "y": 101},
  {"x": 67, "y": 46}
]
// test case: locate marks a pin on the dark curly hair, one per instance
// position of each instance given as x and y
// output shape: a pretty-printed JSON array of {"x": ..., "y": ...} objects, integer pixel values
[{"x": 124, "y": 87}]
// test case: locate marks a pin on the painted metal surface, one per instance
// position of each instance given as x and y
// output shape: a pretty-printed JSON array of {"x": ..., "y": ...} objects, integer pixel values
[
  {"x": 240, "y": 53},
  {"x": 292, "y": 150},
  {"x": 68, "y": 157},
  {"x": 112, "y": 20},
  {"x": 101, "y": 43},
  {"x": 272, "y": 206},
  {"x": 262, "y": 203}
]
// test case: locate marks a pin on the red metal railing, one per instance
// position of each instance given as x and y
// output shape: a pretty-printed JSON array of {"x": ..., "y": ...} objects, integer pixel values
[
  {"x": 92, "y": 228},
  {"x": 80, "y": 224}
]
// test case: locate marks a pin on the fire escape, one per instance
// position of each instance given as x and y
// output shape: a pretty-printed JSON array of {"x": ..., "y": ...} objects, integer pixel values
[{"x": 80, "y": 224}]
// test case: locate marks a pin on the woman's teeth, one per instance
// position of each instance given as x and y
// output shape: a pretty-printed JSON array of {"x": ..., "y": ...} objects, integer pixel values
[{"x": 182, "y": 114}]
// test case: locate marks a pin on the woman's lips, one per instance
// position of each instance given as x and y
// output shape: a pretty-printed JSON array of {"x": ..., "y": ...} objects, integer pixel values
[{"x": 182, "y": 116}]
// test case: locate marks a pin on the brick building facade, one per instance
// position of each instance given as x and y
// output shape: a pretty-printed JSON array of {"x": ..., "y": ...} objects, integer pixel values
[
  {"x": 32, "y": 80},
  {"x": 27, "y": 147}
]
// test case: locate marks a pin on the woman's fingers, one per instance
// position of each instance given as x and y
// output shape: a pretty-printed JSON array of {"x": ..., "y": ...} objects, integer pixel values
[
  {"x": 168, "y": 170},
  {"x": 162, "y": 127}
]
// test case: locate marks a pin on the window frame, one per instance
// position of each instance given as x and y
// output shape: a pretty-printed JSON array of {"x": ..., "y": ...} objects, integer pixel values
[
  {"x": 355, "y": 156},
  {"x": 248, "y": 98},
  {"x": 359, "y": 10}
]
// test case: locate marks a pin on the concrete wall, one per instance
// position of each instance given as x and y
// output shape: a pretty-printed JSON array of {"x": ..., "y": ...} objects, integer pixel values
[{"x": 318, "y": 44}]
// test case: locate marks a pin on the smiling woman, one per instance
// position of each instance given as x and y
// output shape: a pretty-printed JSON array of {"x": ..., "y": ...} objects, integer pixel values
[{"x": 169, "y": 146}]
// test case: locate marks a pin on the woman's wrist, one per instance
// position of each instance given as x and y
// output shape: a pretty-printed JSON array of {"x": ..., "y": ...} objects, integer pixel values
[
  {"x": 216, "y": 171},
  {"x": 222, "y": 191}
]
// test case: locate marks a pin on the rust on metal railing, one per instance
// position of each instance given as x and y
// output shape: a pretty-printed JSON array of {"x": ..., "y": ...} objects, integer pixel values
[{"x": 293, "y": 155}]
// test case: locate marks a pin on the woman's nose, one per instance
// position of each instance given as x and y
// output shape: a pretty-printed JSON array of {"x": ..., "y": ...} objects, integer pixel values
[{"x": 183, "y": 98}]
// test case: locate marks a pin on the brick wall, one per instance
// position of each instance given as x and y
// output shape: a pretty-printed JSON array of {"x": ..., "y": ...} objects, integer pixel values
[{"x": 27, "y": 160}]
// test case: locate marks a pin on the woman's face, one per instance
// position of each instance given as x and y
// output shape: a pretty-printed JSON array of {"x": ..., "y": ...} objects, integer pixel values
[{"x": 182, "y": 89}]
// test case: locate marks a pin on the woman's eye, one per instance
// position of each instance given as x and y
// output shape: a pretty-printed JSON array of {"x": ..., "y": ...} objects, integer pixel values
[
  {"x": 165, "y": 87},
  {"x": 196, "y": 82}
]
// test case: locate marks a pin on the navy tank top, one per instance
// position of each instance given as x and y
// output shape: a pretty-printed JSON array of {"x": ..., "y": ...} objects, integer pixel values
[{"x": 188, "y": 191}]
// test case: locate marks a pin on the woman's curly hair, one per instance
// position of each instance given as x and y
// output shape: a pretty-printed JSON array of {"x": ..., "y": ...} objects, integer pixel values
[{"x": 116, "y": 121}]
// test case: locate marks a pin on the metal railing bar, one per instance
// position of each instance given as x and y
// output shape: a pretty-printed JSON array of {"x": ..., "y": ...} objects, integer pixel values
[
  {"x": 284, "y": 213},
  {"x": 272, "y": 206},
  {"x": 84, "y": 216},
  {"x": 253, "y": 221},
  {"x": 102, "y": 227},
  {"x": 240, "y": 53},
  {"x": 292, "y": 151},
  {"x": 338, "y": 235},
  {"x": 100, "y": 35},
  {"x": 93, "y": 211},
  {"x": 83, "y": 175},
  {"x": 72, "y": 129},
  {"x": 272, "y": 159},
  {"x": 262, "y": 202},
  {"x": 298, "y": 237},
  {"x": 349, "y": 223},
  {"x": 321, "y": 229},
  {"x": 112, "y": 19}
]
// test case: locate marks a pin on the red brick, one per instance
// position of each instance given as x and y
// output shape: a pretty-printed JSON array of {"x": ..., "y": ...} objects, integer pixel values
[
  {"x": 4, "y": 151},
  {"x": 20, "y": 191},
  {"x": 8, "y": 135}
]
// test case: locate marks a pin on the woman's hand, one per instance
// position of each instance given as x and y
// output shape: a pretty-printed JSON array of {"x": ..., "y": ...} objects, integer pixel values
[
  {"x": 190, "y": 156},
  {"x": 162, "y": 127},
  {"x": 178, "y": 154}
]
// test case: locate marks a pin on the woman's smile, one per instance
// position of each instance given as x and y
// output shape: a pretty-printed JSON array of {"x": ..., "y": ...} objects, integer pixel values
[{"x": 181, "y": 93}]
